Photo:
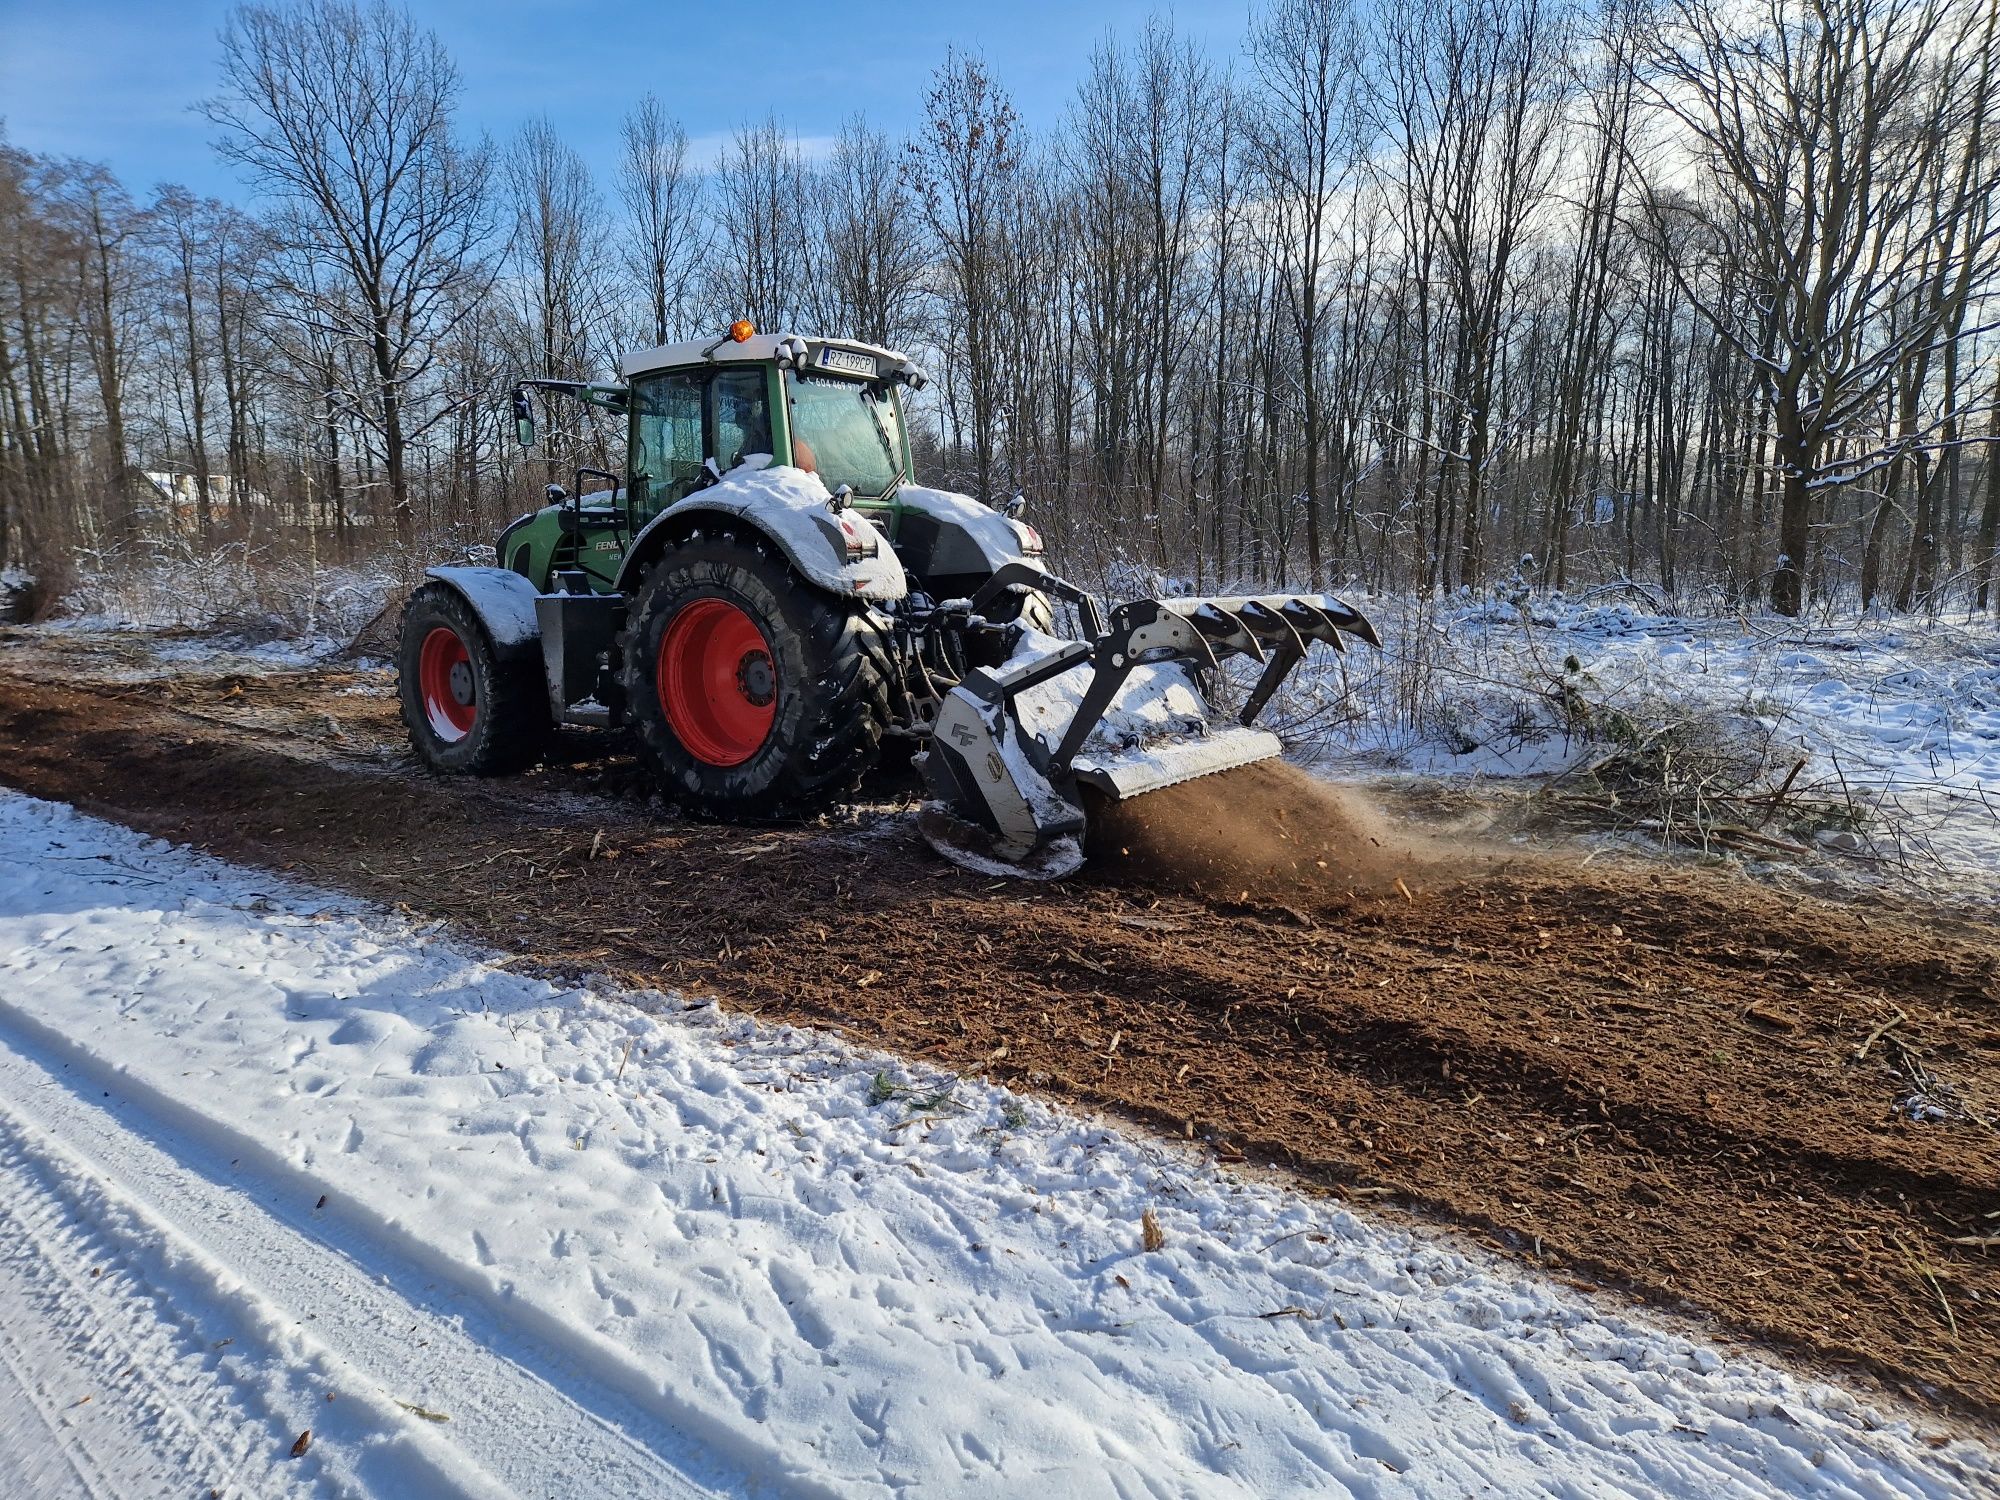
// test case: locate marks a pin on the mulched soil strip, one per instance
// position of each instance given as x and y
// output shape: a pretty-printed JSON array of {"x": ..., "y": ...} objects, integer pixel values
[{"x": 1652, "y": 1080}]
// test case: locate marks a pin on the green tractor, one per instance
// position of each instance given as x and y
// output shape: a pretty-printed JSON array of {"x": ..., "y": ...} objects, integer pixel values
[{"x": 766, "y": 597}]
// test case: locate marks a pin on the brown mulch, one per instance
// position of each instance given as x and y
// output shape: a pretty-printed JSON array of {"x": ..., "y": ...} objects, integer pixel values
[{"x": 1678, "y": 1084}]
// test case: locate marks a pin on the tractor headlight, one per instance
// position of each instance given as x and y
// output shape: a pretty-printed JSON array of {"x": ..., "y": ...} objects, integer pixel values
[{"x": 1031, "y": 539}]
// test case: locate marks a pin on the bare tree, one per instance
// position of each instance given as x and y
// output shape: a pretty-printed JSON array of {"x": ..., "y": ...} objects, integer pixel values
[
  {"x": 237, "y": 267},
  {"x": 1177, "y": 103},
  {"x": 1803, "y": 159},
  {"x": 761, "y": 226},
  {"x": 1097, "y": 158},
  {"x": 557, "y": 251},
  {"x": 1472, "y": 91},
  {"x": 106, "y": 224},
  {"x": 1986, "y": 550},
  {"x": 345, "y": 112},
  {"x": 963, "y": 166},
  {"x": 1142, "y": 135},
  {"x": 182, "y": 223},
  {"x": 871, "y": 262},
  {"x": 559, "y": 275},
  {"x": 662, "y": 197},
  {"x": 1301, "y": 144},
  {"x": 1587, "y": 319},
  {"x": 39, "y": 514}
]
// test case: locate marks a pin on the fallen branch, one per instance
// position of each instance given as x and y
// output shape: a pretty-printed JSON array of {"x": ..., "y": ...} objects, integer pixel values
[{"x": 1879, "y": 1032}]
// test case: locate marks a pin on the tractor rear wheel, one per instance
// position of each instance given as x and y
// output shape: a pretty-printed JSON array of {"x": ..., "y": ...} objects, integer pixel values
[
  {"x": 468, "y": 711},
  {"x": 750, "y": 690}
]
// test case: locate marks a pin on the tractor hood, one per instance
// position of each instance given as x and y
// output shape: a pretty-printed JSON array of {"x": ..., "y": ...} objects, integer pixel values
[{"x": 998, "y": 539}]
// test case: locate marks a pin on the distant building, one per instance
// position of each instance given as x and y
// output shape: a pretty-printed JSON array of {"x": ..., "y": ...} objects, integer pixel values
[
  {"x": 1603, "y": 508},
  {"x": 183, "y": 491},
  {"x": 179, "y": 494}
]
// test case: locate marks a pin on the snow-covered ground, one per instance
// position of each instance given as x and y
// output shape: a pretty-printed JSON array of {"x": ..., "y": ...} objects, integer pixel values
[
  {"x": 273, "y": 1161},
  {"x": 1901, "y": 713}
]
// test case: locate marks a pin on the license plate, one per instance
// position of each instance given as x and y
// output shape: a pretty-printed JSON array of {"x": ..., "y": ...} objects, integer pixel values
[{"x": 847, "y": 362}]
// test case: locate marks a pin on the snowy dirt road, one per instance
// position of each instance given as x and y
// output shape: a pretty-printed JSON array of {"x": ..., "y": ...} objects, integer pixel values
[
  {"x": 261, "y": 1145},
  {"x": 1653, "y": 1080}
]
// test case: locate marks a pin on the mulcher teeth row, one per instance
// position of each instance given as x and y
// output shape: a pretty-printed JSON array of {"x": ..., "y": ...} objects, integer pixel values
[{"x": 1270, "y": 628}]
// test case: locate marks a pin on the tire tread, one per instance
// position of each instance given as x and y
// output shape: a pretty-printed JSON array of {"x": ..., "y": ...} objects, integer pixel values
[
  {"x": 846, "y": 725},
  {"x": 511, "y": 730}
]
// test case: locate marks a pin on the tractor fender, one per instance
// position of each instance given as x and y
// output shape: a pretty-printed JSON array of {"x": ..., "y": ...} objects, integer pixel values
[
  {"x": 789, "y": 509},
  {"x": 504, "y": 602}
]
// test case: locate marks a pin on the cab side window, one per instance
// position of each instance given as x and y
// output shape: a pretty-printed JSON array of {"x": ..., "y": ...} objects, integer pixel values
[
  {"x": 742, "y": 415},
  {"x": 666, "y": 435}
]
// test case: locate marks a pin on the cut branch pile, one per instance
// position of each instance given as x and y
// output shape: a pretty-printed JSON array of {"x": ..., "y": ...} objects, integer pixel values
[{"x": 1705, "y": 779}]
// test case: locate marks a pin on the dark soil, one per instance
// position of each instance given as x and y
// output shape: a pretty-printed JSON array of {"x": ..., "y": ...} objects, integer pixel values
[{"x": 1673, "y": 1083}]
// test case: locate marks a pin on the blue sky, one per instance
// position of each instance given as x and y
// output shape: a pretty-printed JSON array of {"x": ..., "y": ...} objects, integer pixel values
[{"x": 112, "y": 80}]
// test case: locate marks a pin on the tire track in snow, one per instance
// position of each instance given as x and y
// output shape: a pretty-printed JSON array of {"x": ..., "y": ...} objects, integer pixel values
[
  {"x": 117, "y": 1391},
  {"x": 220, "y": 1251}
]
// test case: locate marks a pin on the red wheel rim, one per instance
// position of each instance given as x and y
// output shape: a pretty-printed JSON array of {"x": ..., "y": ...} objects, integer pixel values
[
  {"x": 718, "y": 684},
  {"x": 446, "y": 680}
]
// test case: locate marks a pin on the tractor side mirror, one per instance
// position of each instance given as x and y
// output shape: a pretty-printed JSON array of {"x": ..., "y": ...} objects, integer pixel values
[{"x": 524, "y": 420}]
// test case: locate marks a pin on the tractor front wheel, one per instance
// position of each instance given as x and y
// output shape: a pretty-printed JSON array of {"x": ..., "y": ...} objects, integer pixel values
[
  {"x": 468, "y": 712},
  {"x": 751, "y": 691}
]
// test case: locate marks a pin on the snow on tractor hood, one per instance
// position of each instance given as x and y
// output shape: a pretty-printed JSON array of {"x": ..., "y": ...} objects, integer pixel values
[
  {"x": 839, "y": 550},
  {"x": 1000, "y": 539}
]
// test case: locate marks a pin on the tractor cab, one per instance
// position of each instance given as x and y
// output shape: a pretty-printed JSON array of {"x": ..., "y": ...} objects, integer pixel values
[{"x": 695, "y": 412}]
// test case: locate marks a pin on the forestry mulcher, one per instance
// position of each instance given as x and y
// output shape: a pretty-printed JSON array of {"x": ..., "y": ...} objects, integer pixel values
[{"x": 766, "y": 597}]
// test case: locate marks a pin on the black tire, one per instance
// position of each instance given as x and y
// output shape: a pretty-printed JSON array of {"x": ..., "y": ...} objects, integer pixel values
[
  {"x": 829, "y": 702},
  {"x": 504, "y": 727}
]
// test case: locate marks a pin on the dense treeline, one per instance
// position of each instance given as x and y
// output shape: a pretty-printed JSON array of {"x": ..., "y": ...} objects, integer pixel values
[{"x": 1431, "y": 296}]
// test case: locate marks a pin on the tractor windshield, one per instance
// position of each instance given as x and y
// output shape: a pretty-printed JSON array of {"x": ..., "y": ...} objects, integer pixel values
[{"x": 846, "y": 433}]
